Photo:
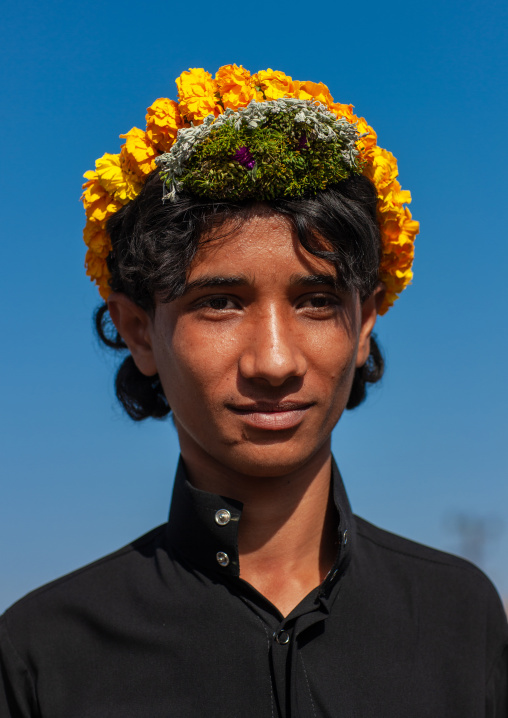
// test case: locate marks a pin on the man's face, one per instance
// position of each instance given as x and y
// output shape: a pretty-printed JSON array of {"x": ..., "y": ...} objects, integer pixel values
[{"x": 258, "y": 356}]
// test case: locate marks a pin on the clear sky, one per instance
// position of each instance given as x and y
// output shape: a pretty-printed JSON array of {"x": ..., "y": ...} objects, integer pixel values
[{"x": 428, "y": 450}]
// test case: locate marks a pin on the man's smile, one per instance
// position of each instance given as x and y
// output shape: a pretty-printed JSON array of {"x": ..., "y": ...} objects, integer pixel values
[{"x": 274, "y": 416}]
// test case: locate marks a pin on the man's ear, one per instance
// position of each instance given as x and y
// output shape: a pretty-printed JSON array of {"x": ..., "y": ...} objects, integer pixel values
[
  {"x": 134, "y": 326},
  {"x": 369, "y": 310}
]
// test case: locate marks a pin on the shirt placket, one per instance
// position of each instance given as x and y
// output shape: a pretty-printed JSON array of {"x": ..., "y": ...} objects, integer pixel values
[{"x": 280, "y": 651}]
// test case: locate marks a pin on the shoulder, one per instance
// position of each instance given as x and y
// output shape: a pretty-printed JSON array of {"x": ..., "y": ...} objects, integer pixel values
[
  {"x": 85, "y": 589},
  {"x": 390, "y": 550},
  {"x": 397, "y": 548},
  {"x": 444, "y": 590}
]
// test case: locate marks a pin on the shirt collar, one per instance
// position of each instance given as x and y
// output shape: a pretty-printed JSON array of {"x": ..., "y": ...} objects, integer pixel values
[{"x": 203, "y": 528}]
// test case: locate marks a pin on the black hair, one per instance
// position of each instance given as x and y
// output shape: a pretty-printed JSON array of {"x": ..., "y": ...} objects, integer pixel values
[{"x": 154, "y": 243}]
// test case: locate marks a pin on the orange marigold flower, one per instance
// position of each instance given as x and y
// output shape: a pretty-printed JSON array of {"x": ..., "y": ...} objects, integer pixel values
[
  {"x": 97, "y": 239},
  {"x": 397, "y": 229},
  {"x": 410, "y": 226},
  {"x": 391, "y": 199},
  {"x": 97, "y": 270},
  {"x": 94, "y": 264},
  {"x": 368, "y": 142},
  {"x": 99, "y": 204},
  {"x": 400, "y": 237},
  {"x": 383, "y": 169},
  {"x": 163, "y": 120},
  {"x": 122, "y": 185},
  {"x": 102, "y": 210},
  {"x": 395, "y": 282},
  {"x": 313, "y": 91},
  {"x": 340, "y": 110},
  {"x": 235, "y": 86},
  {"x": 197, "y": 92},
  {"x": 273, "y": 84},
  {"x": 137, "y": 154},
  {"x": 93, "y": 190},
  {"x": 401, "y": 196},
  {"x": 396, "y": 236},
  {"x": 387, "y": 302},
  {"x": 104, "y": 288}
]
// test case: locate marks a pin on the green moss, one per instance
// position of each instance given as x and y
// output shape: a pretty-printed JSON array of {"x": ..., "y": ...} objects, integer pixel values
[{"x": 282, "y": 166}]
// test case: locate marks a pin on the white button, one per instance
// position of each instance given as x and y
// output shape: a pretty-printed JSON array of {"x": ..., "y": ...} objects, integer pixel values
[
  {"x": 222, "y": 517},
  {"x": 222, "y": 558},
  {"x": 345, "y": 537}
]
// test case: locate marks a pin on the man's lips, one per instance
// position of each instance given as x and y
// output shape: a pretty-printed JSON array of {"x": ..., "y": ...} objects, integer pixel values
[{"x": 272, "y": 415}]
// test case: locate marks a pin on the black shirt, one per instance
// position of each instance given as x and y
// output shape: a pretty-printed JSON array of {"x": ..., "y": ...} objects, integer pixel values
[{"x": 166, "y": 628}]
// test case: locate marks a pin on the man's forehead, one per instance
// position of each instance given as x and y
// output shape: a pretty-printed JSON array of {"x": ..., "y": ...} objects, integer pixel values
[{"x": 252, "y": 245}]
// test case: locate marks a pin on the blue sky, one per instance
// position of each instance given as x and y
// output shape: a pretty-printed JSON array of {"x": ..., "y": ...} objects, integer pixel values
[{"x": 78, "y": 478}]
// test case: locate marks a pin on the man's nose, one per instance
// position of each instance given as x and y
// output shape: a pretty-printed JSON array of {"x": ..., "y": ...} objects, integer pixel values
[{"x": 273, "y": 350}]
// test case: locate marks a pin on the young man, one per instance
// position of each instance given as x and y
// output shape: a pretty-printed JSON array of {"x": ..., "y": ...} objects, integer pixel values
[{"x": 248, "y": 312}]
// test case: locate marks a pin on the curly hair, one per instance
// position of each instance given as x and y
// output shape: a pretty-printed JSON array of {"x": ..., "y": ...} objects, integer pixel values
[{"x": 154, "y": 244}]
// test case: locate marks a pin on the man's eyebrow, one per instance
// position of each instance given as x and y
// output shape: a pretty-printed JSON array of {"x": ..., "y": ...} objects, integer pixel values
[
  {"x": 297, "y": 280},
  {"x": 212, "y": 282},
  {"x": 313, "y": 280}
]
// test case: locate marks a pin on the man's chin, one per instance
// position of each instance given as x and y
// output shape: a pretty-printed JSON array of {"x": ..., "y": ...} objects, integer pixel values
[{"x": 271, "y": 457}]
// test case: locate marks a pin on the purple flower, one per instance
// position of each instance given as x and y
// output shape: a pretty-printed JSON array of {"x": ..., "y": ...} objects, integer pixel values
[
  {"x": 244, "y": 157},
  {"x": 302, "y": 144}
]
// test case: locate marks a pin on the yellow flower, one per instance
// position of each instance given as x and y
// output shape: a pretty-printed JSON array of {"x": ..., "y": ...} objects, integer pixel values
[
  {"x": 383, "y": 169},
  {"x": 398, "y": 236},
  {"x": 137, "y": 154},
  {"x": 395, "y": 284},
  {"x": 401, "y": 196},
  {"x": 313, "y": 91},
  {"x": 397, "y": 229},
  {"x": 99, "y": 204},
  {"x": 163, "y": 120},
  {"x": 97, "y": 270},
  {"x": 410, "y": 226},
  {"x": 97, "y": 240},
  {"x": 340, "y": 110},
  {"x": 93, "y": 190},
  {"x": 368, "y": 142},
  {"x": 122, "y": 185},
  {"x": 197, "y": 92},
  {"x": 94, "y": 265},
  {"x": 104, "y": 288},
  {"x": 401, "y": 241},
  {"x": 102, "y": 210},
  {"x": 274, "y": 84},
  {"x": 234, "y": 86}
]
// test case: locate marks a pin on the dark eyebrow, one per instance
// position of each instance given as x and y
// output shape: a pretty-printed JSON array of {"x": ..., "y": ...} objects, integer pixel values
[
  {"x": 211, "y": 282},
  {"x": 297, "y": 280},
  {"x": 313, "y": 280}
]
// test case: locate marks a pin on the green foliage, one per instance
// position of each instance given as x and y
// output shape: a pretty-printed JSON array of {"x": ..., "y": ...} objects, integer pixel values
[{"x": 290, "y": 160}]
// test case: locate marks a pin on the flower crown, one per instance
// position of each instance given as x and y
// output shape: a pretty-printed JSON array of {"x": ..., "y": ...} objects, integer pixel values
[
  {"x": 277, "y": 148},
  {"x": 241, "y": 135}
]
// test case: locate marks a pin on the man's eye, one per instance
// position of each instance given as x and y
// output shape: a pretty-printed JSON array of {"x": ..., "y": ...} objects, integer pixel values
[
  {"x": 320, "y": 301},
  {"x": 218, "y": 303}
]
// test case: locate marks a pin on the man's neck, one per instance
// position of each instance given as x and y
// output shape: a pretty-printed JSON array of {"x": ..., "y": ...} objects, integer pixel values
[{"x": 287, "y": 533}]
